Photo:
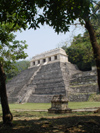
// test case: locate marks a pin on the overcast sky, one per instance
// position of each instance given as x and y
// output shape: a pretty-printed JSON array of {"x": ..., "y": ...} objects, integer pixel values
[{"x": 45, "y": 39}]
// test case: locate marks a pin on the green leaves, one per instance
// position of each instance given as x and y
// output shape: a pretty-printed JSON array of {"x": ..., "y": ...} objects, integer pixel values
[
  {"x": 17, "y": 68},
  {"x": 80, "y": 52},
  {"x": 58, "y": 14},
  {"x": 10, "y": 49}
]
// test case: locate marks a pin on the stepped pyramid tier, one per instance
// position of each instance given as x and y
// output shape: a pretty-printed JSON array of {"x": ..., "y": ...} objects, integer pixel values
[
  {"x": 82, "y": 85},
  {"x": 49, "y": 74}
]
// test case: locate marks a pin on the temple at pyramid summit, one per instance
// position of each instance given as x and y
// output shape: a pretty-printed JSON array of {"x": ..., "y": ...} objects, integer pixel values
[{"x": 50, "y": 73}]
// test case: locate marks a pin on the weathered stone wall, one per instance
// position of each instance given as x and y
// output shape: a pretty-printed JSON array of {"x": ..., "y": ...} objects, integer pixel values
[
  {"x": 78, "y": 97},
  {"x": 82, "y": 85}
]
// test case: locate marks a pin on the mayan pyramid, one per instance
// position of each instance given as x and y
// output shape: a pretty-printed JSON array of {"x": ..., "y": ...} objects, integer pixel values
[{"x": 49, "y": 74}]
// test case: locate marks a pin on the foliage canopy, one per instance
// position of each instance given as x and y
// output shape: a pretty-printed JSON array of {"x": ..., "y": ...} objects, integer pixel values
[
  {"x": 81, "y": 52},
  {"x": 10, "y": 48}
]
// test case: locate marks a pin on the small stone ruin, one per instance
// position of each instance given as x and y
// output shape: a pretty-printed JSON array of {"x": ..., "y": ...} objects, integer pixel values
[{"x": 59, "y": 104}]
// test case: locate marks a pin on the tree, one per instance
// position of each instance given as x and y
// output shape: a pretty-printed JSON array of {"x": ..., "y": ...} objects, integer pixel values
[
  {"x": 10, "y": 51},
  {"x": 18, "y": 67},
  {"x": 16, "y": 14},
  {"x": 80, "y": 52},
  {"x": 59, "y": 14},
  {"x": 19, "y": 12},
  {"x": 81, "y": 55}
]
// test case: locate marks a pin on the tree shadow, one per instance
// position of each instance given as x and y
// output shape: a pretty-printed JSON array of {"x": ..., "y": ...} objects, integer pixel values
[{"x": 69, "y": 124}]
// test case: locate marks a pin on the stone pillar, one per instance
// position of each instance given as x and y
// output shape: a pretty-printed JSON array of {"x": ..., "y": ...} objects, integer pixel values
[
  {"x": 58, "y": 56},
  {"x": 36, "y": 63},
  {"x": 47, "y": 60},
  {"x": 52, "y": 58},
  {"x": 41, "y": 61}
]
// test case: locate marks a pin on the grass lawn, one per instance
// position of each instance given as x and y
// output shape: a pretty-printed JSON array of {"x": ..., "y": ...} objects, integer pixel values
[
  {"x": 43, "y": 122},
  {"x": 76, "y": 105},
  {"x": 43, "y": 106}
]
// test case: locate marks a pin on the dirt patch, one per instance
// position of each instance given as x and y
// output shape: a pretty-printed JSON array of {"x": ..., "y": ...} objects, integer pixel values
[{"x": 29, "y": 122}]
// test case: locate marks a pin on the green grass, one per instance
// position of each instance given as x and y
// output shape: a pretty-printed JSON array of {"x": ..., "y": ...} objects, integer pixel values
[
  {"x": 43, "y": 106},
  {"x": 76, "y": 105},
  {"x": 44, "y": 122},
  {"x": 31, "y": 106}
]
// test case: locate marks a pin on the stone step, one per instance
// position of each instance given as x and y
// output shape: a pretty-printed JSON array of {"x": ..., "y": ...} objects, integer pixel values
[
  {"x": 51, "y": 90},
  {"x": 83, "y": 80},
  {"x": 15, "y": 85},
  {"x": 49, "y": 74},
  {"x": 15, "y": 92},
  {"x": 79, "y": 97},
  {"x": 46, "y": 85},
  {"x": 46, "y": 80},
  {"x": 82, "y": 88},
  {"x": 12, "y": 99},
  {"x": 40, "y": 98}
]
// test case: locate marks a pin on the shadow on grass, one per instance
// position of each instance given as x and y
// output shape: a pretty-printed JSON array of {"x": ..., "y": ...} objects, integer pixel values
[{"x": 69, "y": 124}]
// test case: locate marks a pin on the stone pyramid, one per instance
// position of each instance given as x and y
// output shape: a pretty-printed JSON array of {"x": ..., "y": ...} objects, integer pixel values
[
  {"x": 50, "y": 74},
  {"x": 42, "y": 80}
]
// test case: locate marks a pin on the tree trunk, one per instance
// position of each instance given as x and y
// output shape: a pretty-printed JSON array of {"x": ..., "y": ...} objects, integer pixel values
[
  {"x": 96, "y": 48},
  {"x": 7, "y": 116}
]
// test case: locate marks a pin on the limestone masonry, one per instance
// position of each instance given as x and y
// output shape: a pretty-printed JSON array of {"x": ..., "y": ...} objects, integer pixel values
[
  {"x": 49, "y": 57},
  {"x": 50, "y": 74}
]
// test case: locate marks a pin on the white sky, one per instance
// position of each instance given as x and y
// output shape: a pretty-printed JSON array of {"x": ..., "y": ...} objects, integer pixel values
[{"x": 45, "y": 39}]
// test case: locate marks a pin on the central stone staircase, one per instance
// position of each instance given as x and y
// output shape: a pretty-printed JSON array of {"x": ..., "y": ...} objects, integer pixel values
[{"x": 40, "y": 84}]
